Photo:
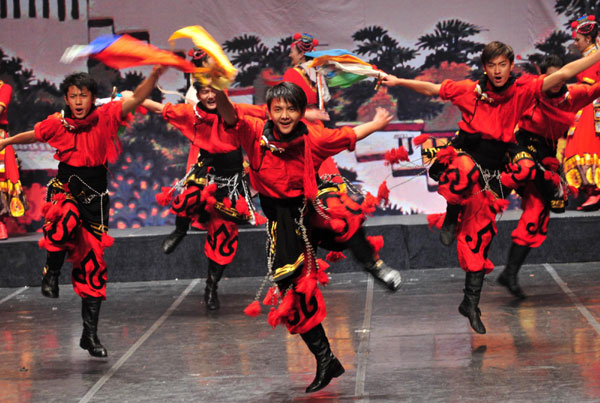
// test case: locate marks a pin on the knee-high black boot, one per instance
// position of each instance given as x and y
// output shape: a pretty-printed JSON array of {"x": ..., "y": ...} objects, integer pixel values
[
  {"x": 328, "y": 367},
  {"x": 90, "y": 311},
  {"x": 508, "y": 278},
  {"x": 448, "y": 230},
  {"x": 363, "y": 252},
  {"x": 470, "y": 303},
  {"x": 51, "y": 272},
  {"x": 215, "y": 271},
  {"x": 182, "y": 224}
]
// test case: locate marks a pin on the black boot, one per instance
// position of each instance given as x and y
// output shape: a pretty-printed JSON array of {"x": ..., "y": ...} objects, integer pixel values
[
  {"x": 363, "y": 252},
  {"x": 90, "y": 310},
  {"x": 508, "y": 278},
  {"x": 215, "y": 271},
  {"x": 51, "y": 273},
  {"x": 328, "y": 367},
  {"x": 448, "y": 230},
  {"x": 470, "y": 304},
  {"x": 174, "y": 238}
]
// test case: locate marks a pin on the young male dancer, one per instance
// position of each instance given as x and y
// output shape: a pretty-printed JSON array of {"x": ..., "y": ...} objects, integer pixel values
[
  {"x": 284, "y": 154},
  {"x": 470, "y": 181},
  {"x": 540, "y": 128},
  {"x": 85, "y": 139}
]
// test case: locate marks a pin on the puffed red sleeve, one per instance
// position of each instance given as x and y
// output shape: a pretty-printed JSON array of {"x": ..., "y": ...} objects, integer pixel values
[
  {"x": 47, "y": 128},
  {"x": 182, "y": 117},
  {"x": 581, "y": 95},
  {"x": 329, "y": 142},
  {"x": 451, "y": 89}
]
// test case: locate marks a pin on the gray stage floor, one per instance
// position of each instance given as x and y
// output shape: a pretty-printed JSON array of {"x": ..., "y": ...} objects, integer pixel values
[{"x": 409, "y": 346}]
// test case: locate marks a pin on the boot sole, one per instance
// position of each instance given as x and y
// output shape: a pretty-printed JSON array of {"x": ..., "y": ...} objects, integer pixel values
[
  {"x": 464, "y": 313},
  {"x": 91, "y": 352}
]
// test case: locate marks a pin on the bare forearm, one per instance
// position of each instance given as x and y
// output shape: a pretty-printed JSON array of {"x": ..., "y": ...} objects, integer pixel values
[
  {"x": 422, "y": 87},
  {"x": 570, "y": 70},
  {"x": 366, "y": 129},
  {"x": 21, "y": 138},
  {"x": 153, "y": 106},
  {"x": 141, "y": 92}
]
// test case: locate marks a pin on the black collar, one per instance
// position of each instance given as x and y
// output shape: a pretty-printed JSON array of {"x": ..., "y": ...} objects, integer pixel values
[{"x": 299, "y": 130}]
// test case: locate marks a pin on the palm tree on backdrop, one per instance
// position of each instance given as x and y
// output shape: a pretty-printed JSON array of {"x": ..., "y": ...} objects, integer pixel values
[
  {"x": 250, "y": 55},
  {"x": 573, "y": 9},
  {"x": 384, "y": 52},
  {"x": 449, "y": 43},
  {"x": 556, "y": 44}
]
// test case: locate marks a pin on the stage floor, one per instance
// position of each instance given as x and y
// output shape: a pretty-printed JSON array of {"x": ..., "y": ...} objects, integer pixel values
[{"x": 411, "y": 346}]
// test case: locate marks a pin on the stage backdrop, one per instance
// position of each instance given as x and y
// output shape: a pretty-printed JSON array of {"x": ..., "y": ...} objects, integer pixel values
[{"x": 429, "y": 39}]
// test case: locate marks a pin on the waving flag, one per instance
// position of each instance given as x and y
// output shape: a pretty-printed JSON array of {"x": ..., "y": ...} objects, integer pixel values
[
  {"x": 220, "y": 73},
  {"x": 341, "y": 67},
  {"x": 122, "y": 51}
]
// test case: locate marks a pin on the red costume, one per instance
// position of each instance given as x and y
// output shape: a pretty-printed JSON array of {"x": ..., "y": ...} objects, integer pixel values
[
  {"x": 12, "y": 202},
  {"x": 217, "y": 159},
  {"x": 539, "y": 130},
  {"x": 487, "y": 130},
  {"x": 77, "y": 218},
  {"x": 279, "y": 173},
  {"x": 582, "y": 152}
]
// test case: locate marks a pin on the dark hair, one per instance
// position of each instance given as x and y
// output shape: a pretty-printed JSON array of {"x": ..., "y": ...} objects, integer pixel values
[
  {"x": 289, "y": 92},
  {"x": 495, "y": 49},
  {"x": 79, "y": 80},
  {"x": 198, "y": 86},
  {"x": 551, "y": 61}
]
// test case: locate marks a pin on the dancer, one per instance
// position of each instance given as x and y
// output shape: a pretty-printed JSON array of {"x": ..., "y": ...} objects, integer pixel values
[
  {"x": 471, "y": 165},
  {"x": 85, "y": 139},
  {"x": 582, "y": 150},
  {"x": 541, "y": 189},
  {"x": 217, "y": 158},
  {"x": 284, "y": 153},
  {"x": 350, "y": 232},
  {"x": 12, "y": 197}
]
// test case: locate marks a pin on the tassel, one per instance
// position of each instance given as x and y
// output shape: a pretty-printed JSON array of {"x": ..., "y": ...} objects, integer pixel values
[
  {"x": 368, "y": 204},
  {"x": 323, "y": 265},
  {"x": 500, "y": 204},
  {"x": 446, "y": 155},
  {"x": 420, "y": 139},
  {"x": 551, "y": 163},
  {"x": 260, "y": 219},
  {"x": 165, "y": 197},
  {"x": 273, "y": 318},
  {"x": 207, "y": 192},
  {"x": 58, "y": 197},
  {"x": 435, "y": 220},
  {"x": 334, "y": 256},
  {"x": 242, "y": 206},
  {"x": 322, "y": 277},
  {"x": 271, "y": 297},
  {"x": 253, "y": 309},
  {"x": 106, "y": 240},
  {"x": 53, "y": 214},
  {"x": 227, "y": 202},
  {"x": 376, "y": 242},
  {"x": 396, "y": 155},
  {"x": 383, "y": 193},
  {"x": 551, "y": 176}
]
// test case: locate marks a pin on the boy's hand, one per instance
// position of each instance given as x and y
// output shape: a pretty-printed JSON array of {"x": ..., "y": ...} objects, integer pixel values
[
  {"x": 382, "y": 117},
  {"x": 390, "y": 80}
]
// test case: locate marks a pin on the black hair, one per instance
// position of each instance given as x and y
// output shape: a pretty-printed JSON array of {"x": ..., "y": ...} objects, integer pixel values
[
  {"x": 79, "y": 80},
  {"x": 289, "y": 92},
  {"x": 495, "y": 49},
  {"x": 551, "y": 61}
]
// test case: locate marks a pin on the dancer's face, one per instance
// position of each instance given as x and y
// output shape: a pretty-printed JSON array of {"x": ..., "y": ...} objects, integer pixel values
[
  {"x": 296, "y": 56},
  {"x": 582, "y": 42},
  {"x": 284, "y": 115},
  {"x": 208, "y": 97},
  {"x": 498, "y": 70},
  {"x": 80, "y": 101}
]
